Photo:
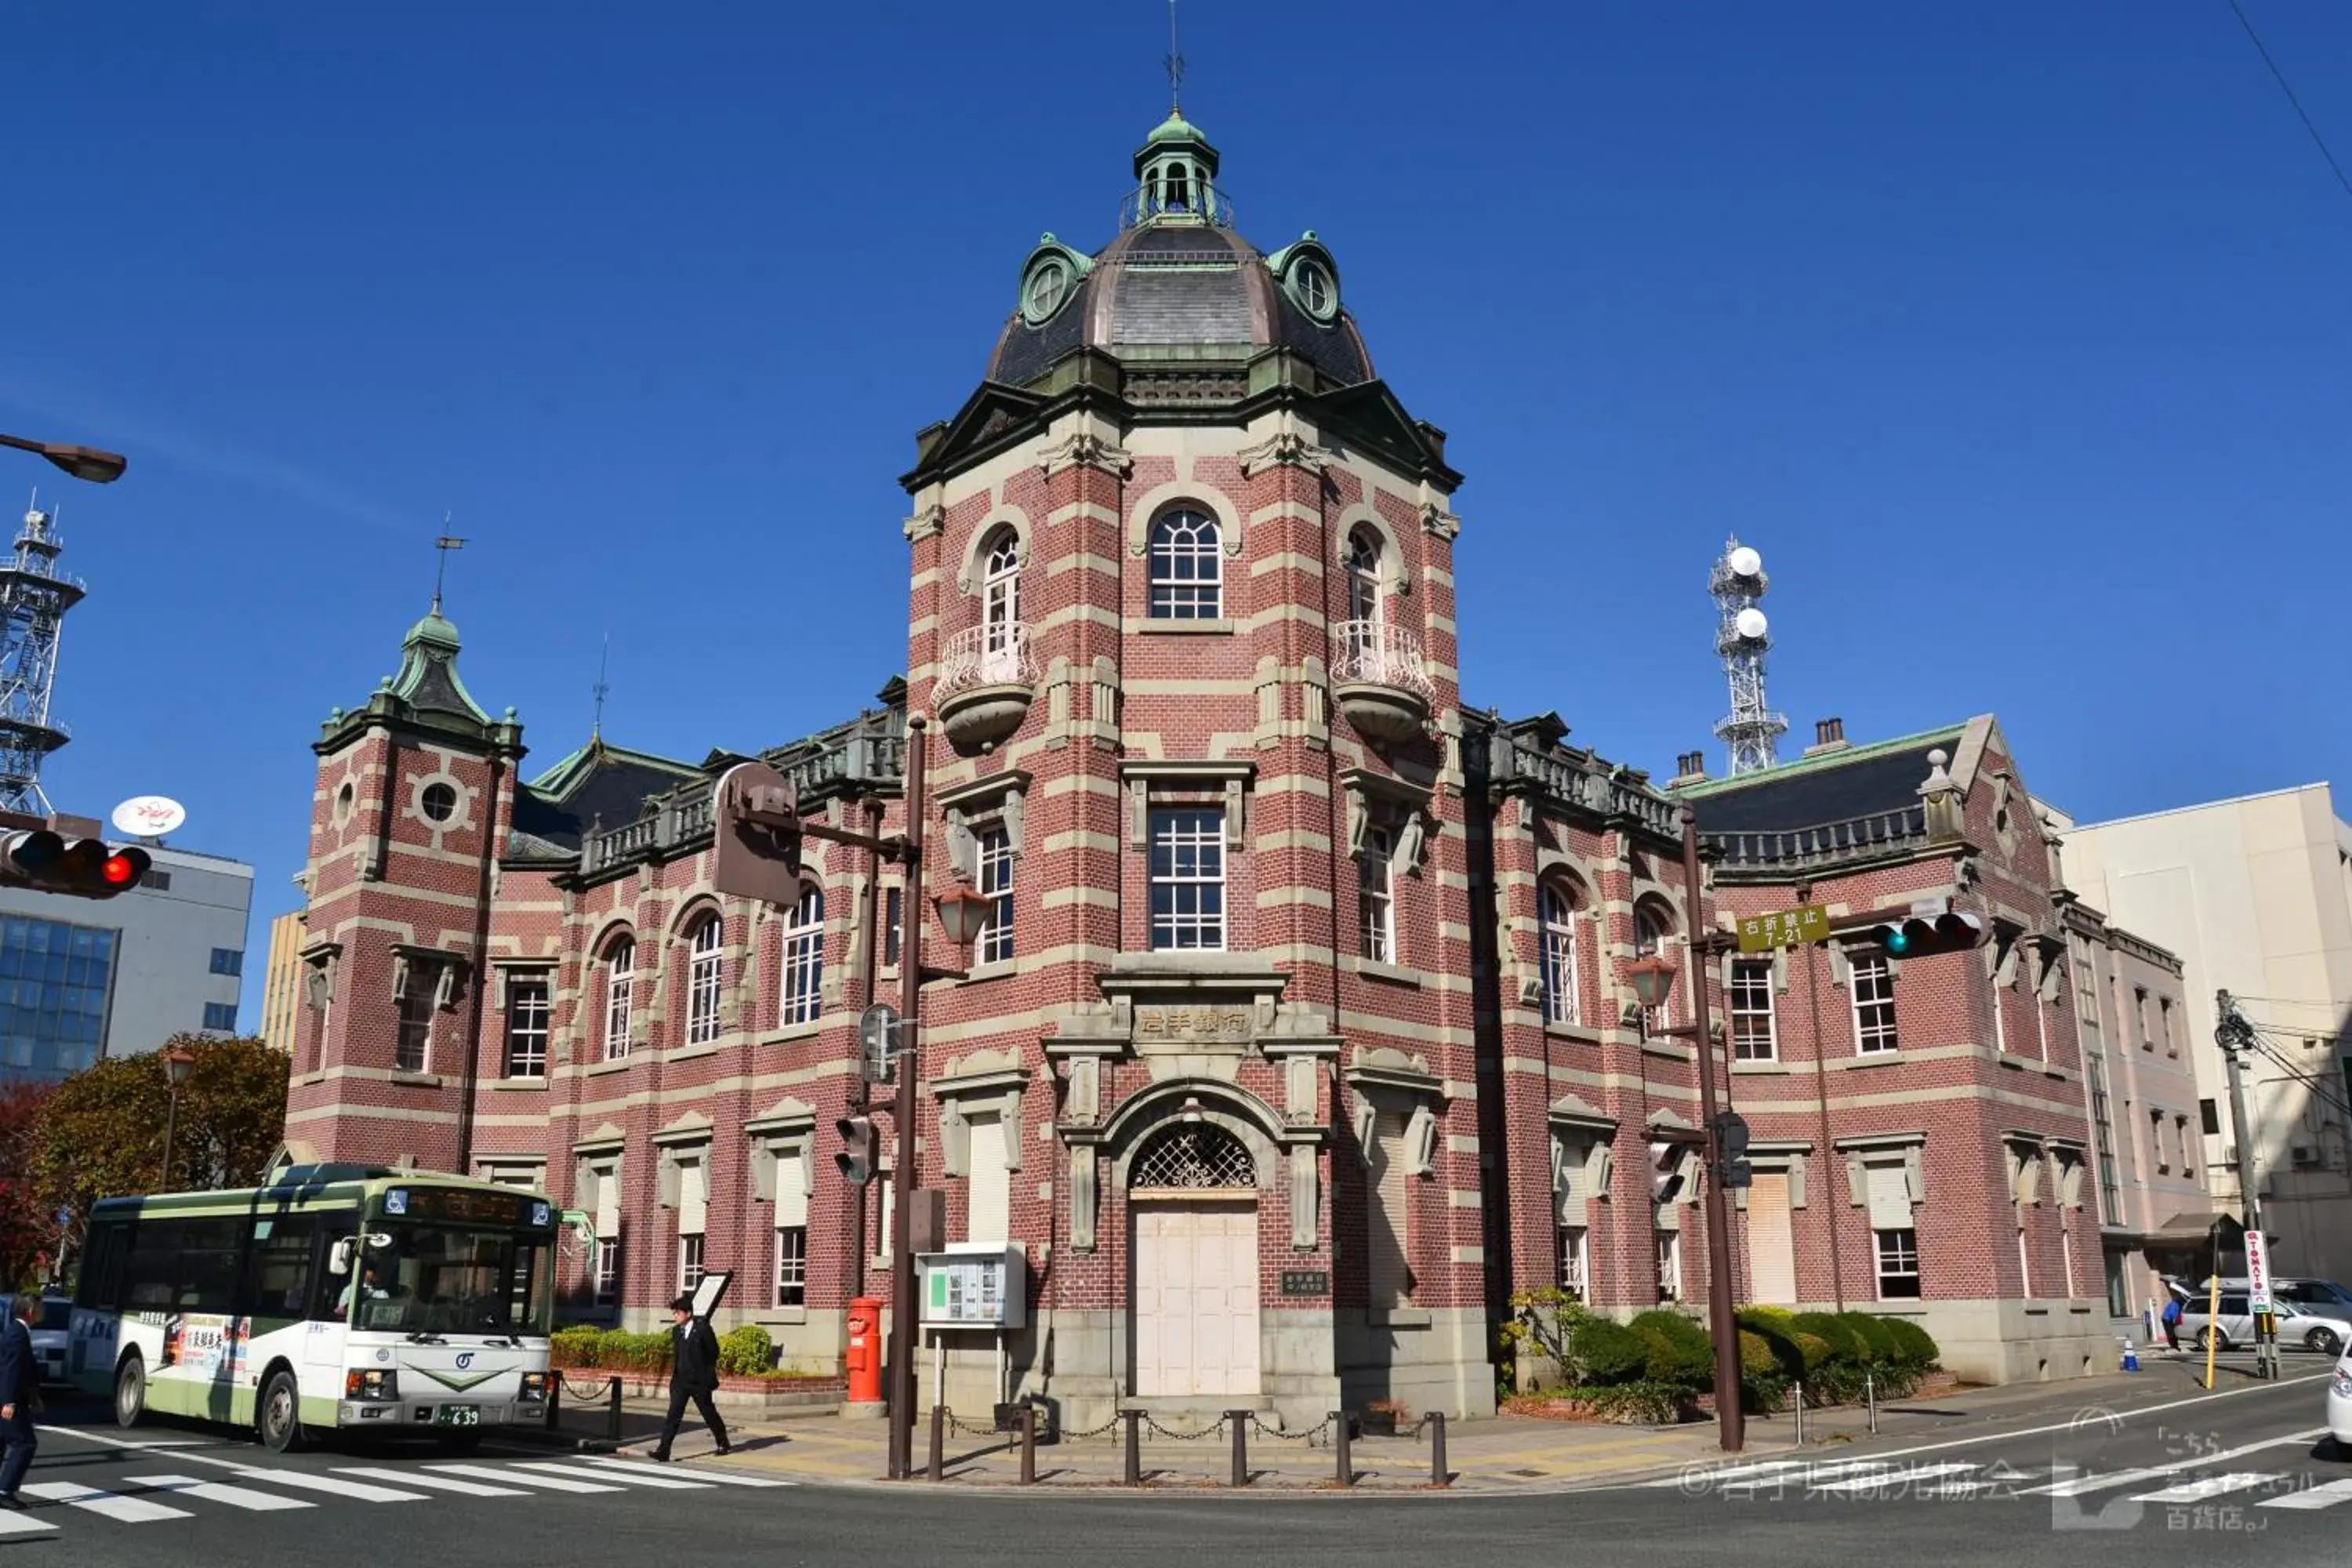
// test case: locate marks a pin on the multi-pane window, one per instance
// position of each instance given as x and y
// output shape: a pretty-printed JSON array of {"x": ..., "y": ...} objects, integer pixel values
[
  {"x": 802, "y": 992},
  {"x": 702, "y": 966},
  {"x": 412, "y": 1045},
  {"x": 1559, "y": 984},
  {"x": 995, "y": 883},
  {"x": 526, "y": 1015},
  {"x": 1575, "y": 1261},
  {"x": 1873, "y": 1002},
  {"x": 608, "y": 1271},
  {"x": 620, "y": 996},
  {"x": 1650, "y": 936},
  {"x": 1751, "y": 1010},
  {"x": 1000, "y": 591},
  {"x": 228, "y": 961},
  {"x": 2024, "y": 1264},
  {"x": 1364, "y": 614},
  {"x": 1187, "y": 567},
  {"x": 894, "y": 903},
  {"x": 792, "y": 1266},
  {"x": 1375, "y": 895},
  {"x": 220, "y": 1016},
  {"x": 2103, "y": 1133},
  {"x": 1670, "y": 1266},
  {"x": 1898, "y": 1264},
  {"x": 1188, "y": 879},
  {"x": 689, "y": 1262}
]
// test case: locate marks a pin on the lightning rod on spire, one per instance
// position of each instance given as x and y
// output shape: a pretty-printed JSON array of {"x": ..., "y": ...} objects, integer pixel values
[{"x": 1175, "y": 63}]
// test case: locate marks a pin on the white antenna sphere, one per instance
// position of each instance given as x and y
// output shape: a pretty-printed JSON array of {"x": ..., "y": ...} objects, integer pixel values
[
  {"x": 1751, "y": 623},
  {"x": 1746, "y": 562}
]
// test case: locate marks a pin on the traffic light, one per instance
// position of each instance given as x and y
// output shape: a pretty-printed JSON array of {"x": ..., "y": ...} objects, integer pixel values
[
  {"x": 756, "y": 836},
  {"x": 1731, "y": 1166},
  {"x": 856, "y": 1155},
  {"x": 1954, "y": 931},
  {"x": 47, "y": 861}
]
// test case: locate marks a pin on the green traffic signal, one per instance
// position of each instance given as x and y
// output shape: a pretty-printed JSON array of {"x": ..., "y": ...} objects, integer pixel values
[{"x": 1899, "y": 941}]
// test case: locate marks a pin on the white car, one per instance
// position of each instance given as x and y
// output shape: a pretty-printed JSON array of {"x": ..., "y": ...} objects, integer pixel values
[
  {"x": 2339, "y": 1407},
  {"x": 52, "y": 1337}
]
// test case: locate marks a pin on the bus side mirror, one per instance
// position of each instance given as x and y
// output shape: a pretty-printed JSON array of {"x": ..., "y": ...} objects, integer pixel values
[{"x": 339, "y": 1261}]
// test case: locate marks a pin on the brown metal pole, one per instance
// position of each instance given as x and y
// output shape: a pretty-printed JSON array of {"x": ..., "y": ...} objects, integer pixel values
[
  {"x": 1724, "y": 1327},
  {"x": 481, "y": 979},
  {"x": 906, "y": 1178},
  {"x": 863, "y": 1095},
  {"x": 1821, "y": 1100}
]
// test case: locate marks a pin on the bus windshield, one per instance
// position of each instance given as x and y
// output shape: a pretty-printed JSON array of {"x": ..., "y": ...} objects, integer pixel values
[{"x": 456, "y": 1279}]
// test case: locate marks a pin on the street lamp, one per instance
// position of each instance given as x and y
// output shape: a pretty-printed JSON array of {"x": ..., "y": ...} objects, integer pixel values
[
  {"x": 962, "y": 913},
  {"x": 82, "y": 462},
  {"x": 178, "y": 1062}
]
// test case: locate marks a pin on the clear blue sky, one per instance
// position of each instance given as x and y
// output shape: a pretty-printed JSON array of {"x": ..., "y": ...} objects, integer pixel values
[{"x": 2013, "y": 334}]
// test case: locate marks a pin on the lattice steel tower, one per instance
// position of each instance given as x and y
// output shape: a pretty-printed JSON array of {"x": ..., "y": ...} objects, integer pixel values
[
  {"x": 33, "y": 599},
  {"x": 1751, "y": 729}
]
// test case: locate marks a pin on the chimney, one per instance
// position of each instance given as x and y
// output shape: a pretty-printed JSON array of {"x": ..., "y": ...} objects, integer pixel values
[
  {"x": 1829, "y": 735},
  {"x": 1690, "y": 767}
]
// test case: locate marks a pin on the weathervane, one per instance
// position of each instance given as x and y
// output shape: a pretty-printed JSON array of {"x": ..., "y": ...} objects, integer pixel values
[
  {"x": 443, "y": 545},
  {"x": 1175, "y": 63}
]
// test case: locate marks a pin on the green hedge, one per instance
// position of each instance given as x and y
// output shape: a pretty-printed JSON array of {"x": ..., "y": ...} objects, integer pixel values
[
  {"x": 747, "y": 1351},
  {"x": 610, "y": 1349},
  {"x": 1656, "y": 1364}
]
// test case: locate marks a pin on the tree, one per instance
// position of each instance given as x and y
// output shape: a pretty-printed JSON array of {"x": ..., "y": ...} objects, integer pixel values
[
  {"x": 29, "y": 1235},
  {"x": 101, "y": 1133}
]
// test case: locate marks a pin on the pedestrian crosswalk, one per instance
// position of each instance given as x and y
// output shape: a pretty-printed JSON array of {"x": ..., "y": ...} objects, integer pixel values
[{"x": 143, "y": 1496}]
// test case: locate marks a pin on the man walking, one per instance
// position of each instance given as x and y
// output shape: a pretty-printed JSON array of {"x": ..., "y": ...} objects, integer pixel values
[
  {"x": 693, "y": 1374},
  {"x": 20, "y": 1395}
]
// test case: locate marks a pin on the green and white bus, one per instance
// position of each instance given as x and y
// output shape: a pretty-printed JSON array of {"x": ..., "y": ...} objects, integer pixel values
[{"x": 336, "y": 1298}]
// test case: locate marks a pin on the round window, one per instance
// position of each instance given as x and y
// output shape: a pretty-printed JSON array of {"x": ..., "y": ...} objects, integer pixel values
[
  {"x": 1047, "y": 287},
  {"x": 343, "y": 798},
  {"x": 1317, "y": 291},
  {"x": 439, "y": 802}
]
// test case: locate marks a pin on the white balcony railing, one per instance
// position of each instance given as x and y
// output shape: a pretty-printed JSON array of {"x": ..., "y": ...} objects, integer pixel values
[
  {"x": 995, "y": 655},
  {"x": 1381, "y": 653}
]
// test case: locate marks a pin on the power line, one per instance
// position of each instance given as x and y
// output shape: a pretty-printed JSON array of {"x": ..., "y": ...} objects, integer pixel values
[{"x": 2316, "y": 139}]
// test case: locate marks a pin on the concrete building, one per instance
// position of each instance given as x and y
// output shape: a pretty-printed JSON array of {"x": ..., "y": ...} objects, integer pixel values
[
  {"x": 281, "y": 983},
  {"x": 2255, "y": 897},
  {"x": 85, "y": 978},
  {"x": 1300, "y": 1034}
]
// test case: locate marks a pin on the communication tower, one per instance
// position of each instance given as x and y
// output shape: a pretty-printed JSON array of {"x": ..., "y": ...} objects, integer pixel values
[
  {"x": 1751, "y": 729},
  {"x": 33, "y": 599}
]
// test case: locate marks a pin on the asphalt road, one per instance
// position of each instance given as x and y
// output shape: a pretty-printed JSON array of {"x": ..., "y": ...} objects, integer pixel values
[{"x": 2093, "y": 1490}]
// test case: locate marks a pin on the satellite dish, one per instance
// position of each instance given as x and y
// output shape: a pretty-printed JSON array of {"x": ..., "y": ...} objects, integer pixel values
[
  {"x": 1746, "y": 562},
  {"x": 1751, "y": 623},
  {"x": 150, "y": 815}
]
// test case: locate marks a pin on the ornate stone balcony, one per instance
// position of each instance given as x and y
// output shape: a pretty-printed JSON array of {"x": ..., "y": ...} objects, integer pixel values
[
  {"x": 1380, "y": 681},
  {"x": 985, "y": 681}
]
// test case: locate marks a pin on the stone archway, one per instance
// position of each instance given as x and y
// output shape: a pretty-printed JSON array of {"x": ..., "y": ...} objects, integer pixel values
[{"x": 1193, "y": 1268}]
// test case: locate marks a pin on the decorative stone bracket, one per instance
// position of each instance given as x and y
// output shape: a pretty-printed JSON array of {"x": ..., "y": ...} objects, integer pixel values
[
  {"x": 1287, "y": 447},
  {"x": 974, "y": 1085},
  {"x": 1860, "y": 1154},
  {"x": 1004, "y": 795},
  {"x": 1140, "y": 775},
  {"x": 2070, "y": 1158},
  {"x": 1373, "y": 797},
  {"x": 1583, "y": 1157},
  {"x": 783, "y": 1149},
  {"x": 448, "y": 973},
  {"x": 1383, "y": 1073},
  {"x": 2026, "y": 1156},
  {"x": 1790, "y": 1159},
  {"x": 318, "y": 962}
]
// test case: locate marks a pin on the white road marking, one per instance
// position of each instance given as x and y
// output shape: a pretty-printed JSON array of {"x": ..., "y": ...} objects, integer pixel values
[
  {"x": 128, "y": 1510},
  {"x": 307, "y": 1481},
  {"x": 15, "y": 1524},
  {"x": 2079, "y": 1485},
  {"x": 1893, "y": 1475},
  {"x": 1772, "y": 1472},
  {"x": 216, "y": 1491},
  {"x": 724, "y": 1477},
  {"x": 84, "y": 1435},
  {"x": 416, "y": 1478},
  {"x": 2208, "y": 1486},
  {"x": 551, "y": 1483},
  {"x": 655, "y": 1479},
  {"x": 2327, "y": 1495}
]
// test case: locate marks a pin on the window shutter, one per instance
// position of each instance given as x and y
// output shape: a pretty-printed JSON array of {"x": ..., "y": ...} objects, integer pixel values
[
  {"x": 988, "y": 1187},
  {"x": 1772, "y": 1249},
  {"x": 607, "y": 1180},
  {"x": 791, "y": 1183},
  {"x": 1390, "y": 1281},
  {"x": 1890, "y": 1197},
  {"x": 693, "y": 1193}
]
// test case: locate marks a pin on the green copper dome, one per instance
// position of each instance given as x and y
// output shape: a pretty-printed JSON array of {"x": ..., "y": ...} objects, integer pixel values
[{"x": 1175, "y": 127}]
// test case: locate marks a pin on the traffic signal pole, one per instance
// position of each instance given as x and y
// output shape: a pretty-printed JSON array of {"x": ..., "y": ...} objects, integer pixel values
[
  {"x": 2235, "y": 1036},
  {"x": 906, "y": 1175},
  {"x": 1724, "y": 1327}
]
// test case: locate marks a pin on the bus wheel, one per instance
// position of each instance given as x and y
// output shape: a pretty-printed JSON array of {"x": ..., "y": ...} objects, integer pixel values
[
  {"x": 281, "y": 1412},
  {"x": 130, "y": 1391}
]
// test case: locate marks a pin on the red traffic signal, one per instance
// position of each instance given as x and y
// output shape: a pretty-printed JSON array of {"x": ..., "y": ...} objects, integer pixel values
[
  {"x": 756, "y": 836},
  {"x": 1954, "y": 931},
  {"x": 46, "y": 860}
]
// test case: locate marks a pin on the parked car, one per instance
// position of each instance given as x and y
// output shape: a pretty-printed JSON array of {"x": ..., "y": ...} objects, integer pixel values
[
  {"x": 52, "y": 1337},
  {"x": 2340, "y": 1408},
  {"x": 2313, "y": 1313}
]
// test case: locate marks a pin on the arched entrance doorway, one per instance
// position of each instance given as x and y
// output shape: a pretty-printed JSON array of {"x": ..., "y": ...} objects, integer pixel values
[{"x": 1192, "y": 1226}]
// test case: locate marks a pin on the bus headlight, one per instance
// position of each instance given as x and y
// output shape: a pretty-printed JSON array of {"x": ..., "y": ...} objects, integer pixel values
[
  {"x": 534, "y": 1386},
  {"x": 2341, "y": 1385},
  {"x": 375, "y": 1383}
]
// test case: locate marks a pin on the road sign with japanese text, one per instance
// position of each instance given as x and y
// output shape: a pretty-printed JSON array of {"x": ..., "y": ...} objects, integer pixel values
[{"x": 1784, "y": 928}]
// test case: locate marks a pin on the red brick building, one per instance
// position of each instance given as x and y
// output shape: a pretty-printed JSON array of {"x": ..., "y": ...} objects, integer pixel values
[{"x": 1300, "y": 1035}]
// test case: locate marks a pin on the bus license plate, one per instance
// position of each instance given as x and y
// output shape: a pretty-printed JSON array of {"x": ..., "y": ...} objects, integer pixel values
[{"x": 457, "y": 1416}]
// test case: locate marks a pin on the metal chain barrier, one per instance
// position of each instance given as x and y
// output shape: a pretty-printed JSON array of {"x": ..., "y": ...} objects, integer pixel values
[
  {"x": 1210, "y": 1431},
  {"x": 1306, "y": 1436}
]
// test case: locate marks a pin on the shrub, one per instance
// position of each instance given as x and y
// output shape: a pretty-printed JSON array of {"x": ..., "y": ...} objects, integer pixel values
[
  {"x": 1771, "y": 1329},
  {"x": 1680, "y": 1353},
  {"x": 1543, "y": 1322},
  {"x": 1834, "y": 1331},
  {"x": 1606, "y": 1352},
  {"x": 1814, "y": 1349},
  {"x": 746, "y": 1351},
  {"x": 1643, "y": 1401},
  {"x": 1870, "y": 1332},
  {"x": 1764, "y": 1376},
  {"x": 1915, "y": 1347}
]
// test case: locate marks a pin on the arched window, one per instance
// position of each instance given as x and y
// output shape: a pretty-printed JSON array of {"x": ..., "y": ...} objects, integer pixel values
[
  {"x": 620, "y": 996},
  {"x": 1652, "y": 932},
  {"x": 1192, "y": 1157},
  {"x": 999, "y": 590},
  {"x": 702, "y": 982},
  {"x": 1187, "y": 567},
  {"x": 802, "y": 990},
  {"x": 1557, "y": 911},
  {"x": 1179, "y": 191},
  {"x": 1362, "y": 631}
]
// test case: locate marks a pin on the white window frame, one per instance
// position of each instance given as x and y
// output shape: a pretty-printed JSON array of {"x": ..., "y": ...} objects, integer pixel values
[
  {"x": 413, "y": 1022},
  {"x": 800, "y": 991},
  {"x": 1668, "y": 1252},
  {"x": 2024, "y": 1265},
  {"x": 1201, "y": 830},
  {"x": 1575, "y": 1246},
  {"x": 1187, "y": 536},
  {"x": 999, "y": 593},
  {"x": 1375, "y": 895},
  {"x": 1748, "y": 979},
  {"x": 1556, "y": 916},
  {"x": 533, "y": 1036},
  {"x": 690, "y": 1261},
  {"x": 608, "y": 1280},
  {"x": 792, "y": 1264},
  {"x": 620, "y": 996},
  {"x": 993, "y": 861},
  {"x": 1875, "y": 1031},
  {"x": 705, "y": 962},
  {"x": 1889, "y": 1255}
]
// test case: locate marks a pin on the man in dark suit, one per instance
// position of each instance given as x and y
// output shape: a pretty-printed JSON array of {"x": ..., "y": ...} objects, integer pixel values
[
  {"x": 20, "y": 1388},
  {"x": 693, "y": 1374}
]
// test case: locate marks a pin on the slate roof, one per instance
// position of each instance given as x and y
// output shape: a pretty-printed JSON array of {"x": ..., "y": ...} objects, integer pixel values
[
  {"x": 599, "y": 782},
  {"x": 1811, "y": 791}
]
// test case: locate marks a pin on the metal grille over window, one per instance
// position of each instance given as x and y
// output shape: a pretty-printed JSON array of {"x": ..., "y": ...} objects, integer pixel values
[
  {"x": 803, "y": 961},
  {"x": 702, "y": 984},
  {"x": 1194, "y": 1158},
  {"x": 1187, "y": 568}
]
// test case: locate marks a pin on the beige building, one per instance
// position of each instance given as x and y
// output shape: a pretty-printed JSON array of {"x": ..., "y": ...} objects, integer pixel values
[
  {"x": 282, "y": 983},
  {"x": 2255, "y": 897}
]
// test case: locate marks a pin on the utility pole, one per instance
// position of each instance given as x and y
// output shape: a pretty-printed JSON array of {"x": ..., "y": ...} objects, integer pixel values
[
  {"x": 1730, "y": 1420},
  {"x": 2236, "y": 1036}
]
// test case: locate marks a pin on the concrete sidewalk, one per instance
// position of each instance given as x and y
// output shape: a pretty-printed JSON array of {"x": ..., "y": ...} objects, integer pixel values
[{"x": 1505, "y": 1455}]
